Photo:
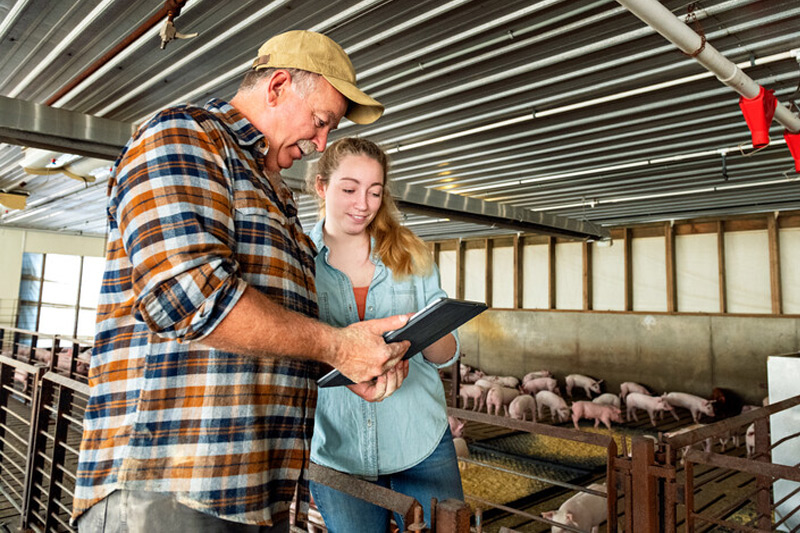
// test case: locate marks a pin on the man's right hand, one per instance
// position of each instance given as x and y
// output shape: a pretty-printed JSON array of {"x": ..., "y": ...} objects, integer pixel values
[{"x": 360, "y": 352}]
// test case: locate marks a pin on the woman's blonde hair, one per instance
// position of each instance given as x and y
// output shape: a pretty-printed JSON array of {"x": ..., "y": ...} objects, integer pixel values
[{"x": 397, "y": 246}]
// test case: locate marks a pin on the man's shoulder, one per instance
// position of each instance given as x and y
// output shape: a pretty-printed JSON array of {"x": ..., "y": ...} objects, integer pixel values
[{"x": 182, "y": 115}]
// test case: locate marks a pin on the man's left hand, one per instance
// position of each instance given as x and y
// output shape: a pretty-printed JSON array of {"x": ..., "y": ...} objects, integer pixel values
[{"x": 384, "y": 385}]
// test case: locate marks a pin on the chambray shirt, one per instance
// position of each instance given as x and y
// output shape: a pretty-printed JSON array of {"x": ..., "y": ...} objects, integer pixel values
[
  {"x": 375, "y": 438},
  {"x": 194, "y": 219}
]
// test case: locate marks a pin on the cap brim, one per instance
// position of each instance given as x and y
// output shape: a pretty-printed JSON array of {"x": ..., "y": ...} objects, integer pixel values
[{"x": 363, "y": 109}]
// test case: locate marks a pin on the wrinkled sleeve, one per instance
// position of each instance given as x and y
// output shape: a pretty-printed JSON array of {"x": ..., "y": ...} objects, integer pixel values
[
  {"x": 173, "y": 203},
  {"x": 432, "y": 290}
]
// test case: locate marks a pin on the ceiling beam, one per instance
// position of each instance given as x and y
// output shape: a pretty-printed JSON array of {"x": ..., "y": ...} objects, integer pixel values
[{"x": 40, "y": 126}]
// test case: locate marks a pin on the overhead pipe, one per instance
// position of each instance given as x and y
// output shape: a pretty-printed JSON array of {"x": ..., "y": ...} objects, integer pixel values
[
  {"x": 658, "y": 17},
  {"x": 171, "y": 9}
]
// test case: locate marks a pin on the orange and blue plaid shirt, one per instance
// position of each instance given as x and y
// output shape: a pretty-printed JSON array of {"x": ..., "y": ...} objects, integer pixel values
[{"x": 194, "y": 218}]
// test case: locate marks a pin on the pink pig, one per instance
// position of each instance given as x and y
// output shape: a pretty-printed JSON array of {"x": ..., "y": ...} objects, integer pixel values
[
  {"x": 599, "y": 412},
  {"x": 499, "y": 396},
  {"x": 582, "y": 511},
  {"x": 477, "y": 394},
  {"x": 556, "y": 404},
  {"x": 585, "y": 382},
  {"x": 456, "y": 426},
  {"x": 532, "y": 386},
  {"x": 651, "y": 404},
  {"x": 521, "y": 405},
  {"x": 695, "y": 404},
  {"x": 629, "y": 387}
]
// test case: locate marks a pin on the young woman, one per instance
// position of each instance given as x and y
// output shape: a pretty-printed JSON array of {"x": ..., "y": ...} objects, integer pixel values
[{"x": 369, "y": 266}]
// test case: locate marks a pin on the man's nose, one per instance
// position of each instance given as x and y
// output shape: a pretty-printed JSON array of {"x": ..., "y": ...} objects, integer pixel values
[{"x": 321, "y": 140}]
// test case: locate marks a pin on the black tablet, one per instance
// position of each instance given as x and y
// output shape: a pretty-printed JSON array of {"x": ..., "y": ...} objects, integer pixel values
[{"x": 425, "y": 327}]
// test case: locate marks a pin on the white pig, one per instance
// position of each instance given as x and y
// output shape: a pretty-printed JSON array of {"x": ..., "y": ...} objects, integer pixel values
[
  {"x": 505, "y": 381},
  {"x": 599, "y": 412},
  {"x": 499, "y": 396},
  {"x": 750, "y": 440},
  {"x": 556, "y": 404},
  {"x": 585, "y": 382},
  {"x": 629, "y": 387},
  {"x": 477, "y": 394},
  {"x": 651, "y": 404},
  {"x": 695, "y": 404},
  {"x": 532, "y": 386},
  {"x": 521, "y": 405},
  {"x": 607, "y": 399},
  {"x": 456, "y": 426},
  {"x": 484, "y": 384},
  {"x": 538, "y": 374},
  {"x": 706, "y": 443},
  {"x": 582, "y": 511}
]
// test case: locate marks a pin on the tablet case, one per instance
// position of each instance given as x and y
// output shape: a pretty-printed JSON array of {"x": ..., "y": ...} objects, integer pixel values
[{"x": 428, "y": 325}]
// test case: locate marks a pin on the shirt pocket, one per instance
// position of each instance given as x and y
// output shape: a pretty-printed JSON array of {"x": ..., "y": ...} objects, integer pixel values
[
  {"x": 404, "y": 300},
  {"x": 262, "y": 235}
]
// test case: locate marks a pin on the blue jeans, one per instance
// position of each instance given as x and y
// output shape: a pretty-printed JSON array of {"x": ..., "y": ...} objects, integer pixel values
[{"x": 435, "y": 477}]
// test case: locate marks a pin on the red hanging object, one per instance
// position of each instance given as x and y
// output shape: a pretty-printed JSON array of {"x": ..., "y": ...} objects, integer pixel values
[
  {"x": 793, "y": 142},
  {"x": 758, "y": 113}
]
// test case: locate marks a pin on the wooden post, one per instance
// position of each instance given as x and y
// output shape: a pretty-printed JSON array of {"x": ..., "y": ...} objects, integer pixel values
[
  {"x": 775, "y": 264},
  {"x": 628, "y": 267},
  {"x": 723, "y": 291},
  {"x": 452, "y": 516},
  {"x": 461, "y": 251},
  {"x": 672, "y": 289},
  {"x": 644, "y": 494},
  {"x": 587, "y": 276},
  {"x": 551, "y": 272},
  {"x": 489, "y": 271},
  {"x": 518, "y": 277}
]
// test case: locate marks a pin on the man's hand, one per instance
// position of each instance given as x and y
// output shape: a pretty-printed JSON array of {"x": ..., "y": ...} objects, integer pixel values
[
  {"x": 360, "y": 352},
  {"x": 384, "y": 385}
]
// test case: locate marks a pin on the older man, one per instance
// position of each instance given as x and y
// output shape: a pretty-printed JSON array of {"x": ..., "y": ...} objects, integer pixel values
[{"x": 206, "y": 350}]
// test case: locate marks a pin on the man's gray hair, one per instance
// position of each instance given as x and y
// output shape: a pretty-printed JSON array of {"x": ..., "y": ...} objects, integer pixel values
[{"x": 303, "y": 80}]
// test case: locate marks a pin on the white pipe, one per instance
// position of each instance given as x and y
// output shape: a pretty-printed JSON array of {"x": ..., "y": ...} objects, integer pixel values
[{"x": 678, "y": 33}]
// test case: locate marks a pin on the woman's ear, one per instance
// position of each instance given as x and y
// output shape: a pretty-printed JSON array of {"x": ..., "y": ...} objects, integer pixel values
[{"x": 319, "y": 186}]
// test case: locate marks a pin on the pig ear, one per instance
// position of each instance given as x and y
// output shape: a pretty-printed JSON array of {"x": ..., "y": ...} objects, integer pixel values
[
  {"x": 600, "y": 381},
  {"x": 548, "y": 514},
  {"x": 568, "y": 517}
]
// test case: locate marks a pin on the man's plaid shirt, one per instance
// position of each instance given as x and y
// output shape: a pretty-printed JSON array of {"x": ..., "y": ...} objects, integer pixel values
[{"x": 194, "y": 219}]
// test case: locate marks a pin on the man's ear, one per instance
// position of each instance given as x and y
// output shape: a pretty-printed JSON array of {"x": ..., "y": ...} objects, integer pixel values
[
  {"x": 319, "y": 186},
  {"x": 277, "y": 85}
]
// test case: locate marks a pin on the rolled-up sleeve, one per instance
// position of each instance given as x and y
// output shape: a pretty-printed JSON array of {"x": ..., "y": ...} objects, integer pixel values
[
  {"x": 173, "y": 203},
  {"x": 432, "y": 289}
]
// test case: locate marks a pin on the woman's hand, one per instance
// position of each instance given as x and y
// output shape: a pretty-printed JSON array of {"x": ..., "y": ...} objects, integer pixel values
[{"x": 384, "y": 385}]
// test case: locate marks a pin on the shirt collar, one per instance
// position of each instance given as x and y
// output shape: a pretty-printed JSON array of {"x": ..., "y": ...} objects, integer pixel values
[
  {"x": 316, "y": 235},
  {"x": 246, "y": 133}
]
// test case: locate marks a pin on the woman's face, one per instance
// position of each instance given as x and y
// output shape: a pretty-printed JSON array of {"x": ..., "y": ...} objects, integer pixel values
[{"x": 352, "y": 195}]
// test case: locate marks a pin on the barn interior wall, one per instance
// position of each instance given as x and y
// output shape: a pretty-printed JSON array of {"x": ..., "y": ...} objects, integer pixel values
[
  {"x": 666, "y": 352},
  {"x": 694, "y": 349}
]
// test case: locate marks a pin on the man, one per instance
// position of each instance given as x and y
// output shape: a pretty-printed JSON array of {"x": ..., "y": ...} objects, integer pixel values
[{"x": 202, "y": 376}]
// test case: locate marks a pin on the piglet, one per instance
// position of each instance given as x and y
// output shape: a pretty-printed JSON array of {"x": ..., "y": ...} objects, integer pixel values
[
  {"x": 607, "y": 399},
  {"x": 537, "y": 374},
  {"x": 651, "y": 404},
  {"x": 582, "y": 511},
  {"x": 750, "y": 440},
  {"x": 499, "y": 396},
  {"x": 695, "y": 404},
  {"x": 706, "y": 443},
  {"x": 456, "y": 426},
  {"x": 554, "y": 402},
  {"x": 585, "y": 382},
  {"x": 599, "y": 412},
  {"x": 532, "y": 386},
  {"x": 521, "y": 406},
  {"x": 477, "y": 394},
  {"x": 629, "y": 387},
  {"x": 505, "y": 381}
]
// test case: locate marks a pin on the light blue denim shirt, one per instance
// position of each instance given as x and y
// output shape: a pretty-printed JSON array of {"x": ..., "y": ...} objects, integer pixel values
[{"x": 371, "y": 438}]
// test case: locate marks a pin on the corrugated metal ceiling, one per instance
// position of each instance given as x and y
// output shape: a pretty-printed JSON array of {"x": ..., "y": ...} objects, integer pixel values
[{"x": 575, "y": 107}]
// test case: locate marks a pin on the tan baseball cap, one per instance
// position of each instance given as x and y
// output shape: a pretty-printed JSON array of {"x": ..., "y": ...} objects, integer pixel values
[{"x": 314, "y": 52}]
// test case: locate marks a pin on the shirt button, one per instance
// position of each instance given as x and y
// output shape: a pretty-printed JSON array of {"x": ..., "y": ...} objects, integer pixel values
[
  {"x": 369, "y": 423},
  {"x": 371, "y": 308}
]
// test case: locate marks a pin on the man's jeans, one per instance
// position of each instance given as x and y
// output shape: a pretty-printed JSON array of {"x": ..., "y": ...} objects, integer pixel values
[
  {"x": 132, "y": 511},
  {"x": 435, "y": 477}
]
